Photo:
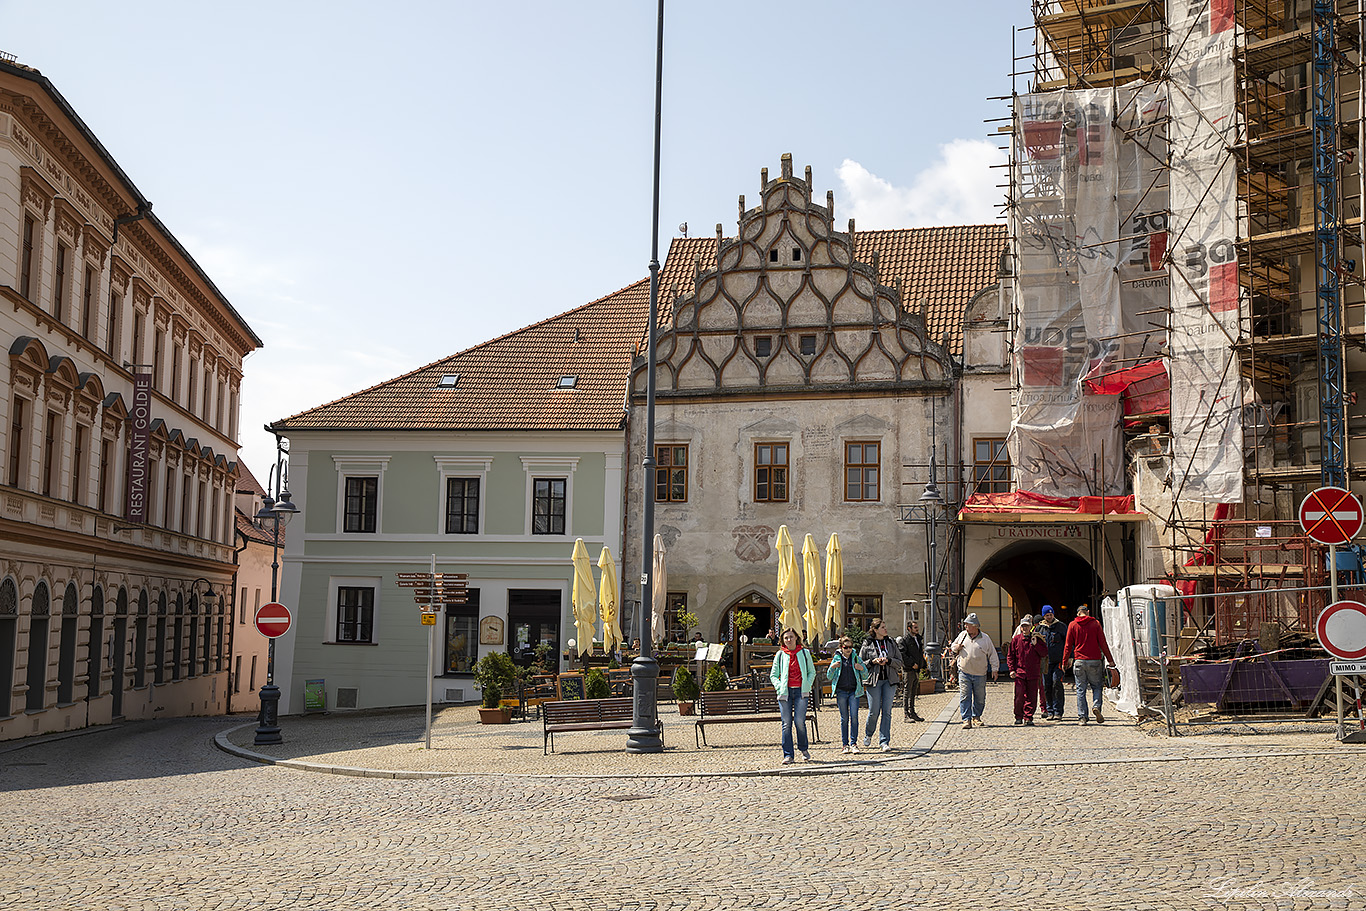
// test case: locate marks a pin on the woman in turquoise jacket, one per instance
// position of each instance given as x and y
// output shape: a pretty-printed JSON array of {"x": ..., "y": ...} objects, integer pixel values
[
  {"x": 792, "y": 676},
  {"x": 846, "y": 673}
]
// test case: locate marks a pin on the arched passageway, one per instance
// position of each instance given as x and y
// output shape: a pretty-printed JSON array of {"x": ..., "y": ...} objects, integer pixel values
[{"x": 1035, "y": 573}]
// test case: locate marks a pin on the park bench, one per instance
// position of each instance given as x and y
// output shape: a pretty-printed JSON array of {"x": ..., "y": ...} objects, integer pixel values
[
  {"x": 742, "y": 707},
  {"x": 586, "y": 715}
]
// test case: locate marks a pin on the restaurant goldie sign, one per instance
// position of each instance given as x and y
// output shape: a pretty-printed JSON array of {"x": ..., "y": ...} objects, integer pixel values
[{"x": 140, "y": 419}]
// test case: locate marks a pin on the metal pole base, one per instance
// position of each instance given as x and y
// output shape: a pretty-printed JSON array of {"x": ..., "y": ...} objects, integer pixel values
[
  {"x": 644, "y": 735},
  {"x": 268, "y": 728},
  {"x": 932, "y": 661}
]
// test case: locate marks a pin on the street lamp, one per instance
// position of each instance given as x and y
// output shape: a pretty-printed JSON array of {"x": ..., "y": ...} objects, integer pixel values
[
  {"x": 644, "y": 735},
  {"x": 933, "y": 503},
  {"x": 277, "y": 510}
]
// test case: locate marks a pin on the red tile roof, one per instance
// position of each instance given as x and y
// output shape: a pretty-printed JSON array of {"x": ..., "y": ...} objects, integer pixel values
[
  {"x": 253, "y": 532},
  {"x": 511, "y": 382}
]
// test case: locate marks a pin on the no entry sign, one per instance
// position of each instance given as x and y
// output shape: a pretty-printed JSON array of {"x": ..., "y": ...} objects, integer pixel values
[
  {"x": 273, "y": 620},
  {"x": 1331, "y": 515},
  {"x": 1342, "y": 630}
]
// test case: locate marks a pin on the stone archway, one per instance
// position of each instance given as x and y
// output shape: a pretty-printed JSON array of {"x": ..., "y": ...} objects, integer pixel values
[{"x": 1035, "y": 573}]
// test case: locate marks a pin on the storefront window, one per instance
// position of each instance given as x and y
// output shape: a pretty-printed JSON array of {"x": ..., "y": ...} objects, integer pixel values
[{"x": 462, "y": 635}]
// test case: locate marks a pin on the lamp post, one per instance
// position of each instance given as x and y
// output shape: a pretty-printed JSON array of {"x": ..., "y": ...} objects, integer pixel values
[
  {"x": 932, "y": 502},
  {"x": 277, "y": 510},
  {"x": 644, "y": 735}
]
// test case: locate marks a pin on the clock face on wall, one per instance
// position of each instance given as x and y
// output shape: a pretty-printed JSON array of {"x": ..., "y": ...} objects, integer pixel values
[{"x": 491, "y": 631}]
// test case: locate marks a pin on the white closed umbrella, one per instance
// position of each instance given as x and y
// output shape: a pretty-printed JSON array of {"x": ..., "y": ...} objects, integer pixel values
[{"x": 659, "y": 594}]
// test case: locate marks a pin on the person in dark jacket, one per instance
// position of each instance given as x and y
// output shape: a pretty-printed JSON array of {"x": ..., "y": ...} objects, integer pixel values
[
  {"x": 1054, "y": 633},
  {"x": 913, "y": 659},
  {"x": 1024, "y": 656}
]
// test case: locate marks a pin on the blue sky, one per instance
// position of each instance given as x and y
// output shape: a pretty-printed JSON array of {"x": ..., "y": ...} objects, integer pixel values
[{"x": 376, "y": 186}]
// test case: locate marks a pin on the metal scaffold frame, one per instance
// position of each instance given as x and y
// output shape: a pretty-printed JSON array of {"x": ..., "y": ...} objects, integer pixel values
[{"x": 1297, "y": 152}]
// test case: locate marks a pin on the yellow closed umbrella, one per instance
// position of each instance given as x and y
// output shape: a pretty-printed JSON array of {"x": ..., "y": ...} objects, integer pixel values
[
  {"x": 789, "y": 618},
  {"x": 834, "y": 585},
  {"x": 815, "y": 604},
  {"x": 584, "y": 598},
  {"x": 608, "y": 602}
]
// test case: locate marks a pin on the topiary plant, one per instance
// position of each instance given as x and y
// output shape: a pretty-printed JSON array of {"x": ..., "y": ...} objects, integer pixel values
[
  {"x": 687, "y": 620},
  {"x": 595, "y": 684},
  {"x": 496, "y": 674},
  {"x": 715, "y": 680},
  {"x": 685, "y": 685}
]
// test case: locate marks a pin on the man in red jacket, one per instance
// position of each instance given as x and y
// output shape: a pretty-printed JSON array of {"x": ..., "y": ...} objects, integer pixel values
[{"x": 1085, "y": 652}]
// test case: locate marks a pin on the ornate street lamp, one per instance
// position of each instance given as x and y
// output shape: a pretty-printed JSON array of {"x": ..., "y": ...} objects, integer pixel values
[
  {"x": 933, "y": 503},
  {"x": 277, "y": 510}
]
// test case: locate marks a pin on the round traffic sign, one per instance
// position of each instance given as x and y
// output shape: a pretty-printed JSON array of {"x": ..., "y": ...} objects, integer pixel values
[
  {"x": 1342, "y": 630},
  {"x": 1331, "y": 515},
  {"x": 273, "y": 620}
]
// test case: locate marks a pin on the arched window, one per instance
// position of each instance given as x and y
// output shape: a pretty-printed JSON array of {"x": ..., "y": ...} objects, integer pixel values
[
  {"x": 36, "y": 698},
  {"x": 66, "y": 647},
  {"x": 9, "y": 633}
]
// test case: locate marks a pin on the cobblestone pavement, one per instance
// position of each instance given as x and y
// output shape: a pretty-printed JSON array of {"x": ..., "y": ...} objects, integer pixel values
[{"x": 151, "y": 815}]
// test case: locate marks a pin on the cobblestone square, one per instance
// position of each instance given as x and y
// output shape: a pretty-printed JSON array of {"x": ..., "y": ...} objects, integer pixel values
[{"x": 152, "y": 815}]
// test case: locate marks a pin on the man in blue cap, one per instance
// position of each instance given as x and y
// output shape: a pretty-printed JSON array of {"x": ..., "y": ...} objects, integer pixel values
[{"x": 1055, "y": 635}]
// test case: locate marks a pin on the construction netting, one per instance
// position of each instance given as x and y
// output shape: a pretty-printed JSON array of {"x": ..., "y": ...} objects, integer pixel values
[{"x": 1124, "y": 202}]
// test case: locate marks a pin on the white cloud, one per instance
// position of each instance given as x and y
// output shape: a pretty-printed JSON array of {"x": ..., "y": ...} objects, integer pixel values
[{"x": 958, "y": 188}]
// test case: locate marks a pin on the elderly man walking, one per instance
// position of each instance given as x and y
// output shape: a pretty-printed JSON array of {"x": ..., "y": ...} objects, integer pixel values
[
  {"x": 973, "y": 652},
  {"x": 1086, "y": 650}
]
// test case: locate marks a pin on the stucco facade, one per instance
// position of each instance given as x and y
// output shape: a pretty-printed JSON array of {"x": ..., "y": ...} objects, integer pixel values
[
  {"x": 116, "y": 552},
  {"x": 791, "y": 363}
]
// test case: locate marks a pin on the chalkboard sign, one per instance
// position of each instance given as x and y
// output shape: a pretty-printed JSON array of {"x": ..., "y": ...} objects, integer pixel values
[{"x": 570, "y": 685}]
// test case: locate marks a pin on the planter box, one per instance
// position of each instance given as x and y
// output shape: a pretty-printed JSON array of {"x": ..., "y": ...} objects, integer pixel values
[
  {"x": 495, "y": 716},
  {"x": 686, "y": 708},
  {"x": 926, "y": 687}
]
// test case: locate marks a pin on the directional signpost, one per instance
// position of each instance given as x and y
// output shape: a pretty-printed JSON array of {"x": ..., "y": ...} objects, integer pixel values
[
  {"x": 1333, "y": 516},
  {"x": 433, "y": 591}
]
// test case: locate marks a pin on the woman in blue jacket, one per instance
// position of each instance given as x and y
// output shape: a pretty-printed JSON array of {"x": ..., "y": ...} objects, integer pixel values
[
  {"x": 846, "y": 674},
  {"x": 792, "y": 676}
]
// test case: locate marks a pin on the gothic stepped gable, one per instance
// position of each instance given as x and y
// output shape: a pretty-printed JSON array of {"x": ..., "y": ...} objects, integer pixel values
[{"x": 789, "y": 307}]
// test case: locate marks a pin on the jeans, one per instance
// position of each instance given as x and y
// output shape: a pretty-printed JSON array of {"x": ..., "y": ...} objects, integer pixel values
[
  {"x": 1052, "y": 684},
  {"x": 1088, "y": 674},
  {"x": 880, "y": 698},
  {"x": 793, "y": 709},
  {"x": 848, "y": 703},
  {"x": 972, "y": 695}
]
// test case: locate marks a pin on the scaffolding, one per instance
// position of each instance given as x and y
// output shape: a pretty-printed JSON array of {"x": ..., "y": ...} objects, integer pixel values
[{"x": 1293, "y": 353}]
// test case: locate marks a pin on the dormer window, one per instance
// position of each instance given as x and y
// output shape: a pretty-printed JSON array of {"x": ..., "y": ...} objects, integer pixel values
[
  {"x": 449, "y": 381},
  {"x": 796, "y": 254},
  {"x": 773, "y": 255},
  {"x": 807, "y": 344},
  {"x": 567, "y": 382},
  {"x": 763, "y": 345}
]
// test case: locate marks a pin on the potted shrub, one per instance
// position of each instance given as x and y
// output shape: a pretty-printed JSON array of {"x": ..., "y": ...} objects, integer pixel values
[
  {"x": 496, "y": 674},
  {"x": 685, "y": 690},
  {"x": 926, "y": 682},
  {"x": 715, "y": 681},
  {"x": 687, "y": 620},
  {"x": 595, "y": 684}
]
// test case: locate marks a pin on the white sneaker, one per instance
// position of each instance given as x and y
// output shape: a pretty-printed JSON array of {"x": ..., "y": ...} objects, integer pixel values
[
  {"x": 787, "y": 760},
  {"x": 853, "y": 748},
  {"x": 846, "y": 750},
  {"x": 886, "y": 748},
  {"x": 867, "y": 741},
  {"x": 806, "y": 757}
]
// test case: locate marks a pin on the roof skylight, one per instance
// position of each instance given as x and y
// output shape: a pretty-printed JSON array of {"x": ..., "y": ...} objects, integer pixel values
[{"x": 567, "y": 382}]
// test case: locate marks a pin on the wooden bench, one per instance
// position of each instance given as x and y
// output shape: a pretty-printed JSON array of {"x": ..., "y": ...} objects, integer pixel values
[
  {"x": 587, "y": 715},
  {"x": 742, "y": 707}
]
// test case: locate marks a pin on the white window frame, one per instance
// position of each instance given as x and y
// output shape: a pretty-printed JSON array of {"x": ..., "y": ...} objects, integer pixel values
[
  {"x": 448, "y": 467},
  {"x": 360, "y": 467},
  {"x": 334, "y": 585},
  {"x": 550, "y": 467}
]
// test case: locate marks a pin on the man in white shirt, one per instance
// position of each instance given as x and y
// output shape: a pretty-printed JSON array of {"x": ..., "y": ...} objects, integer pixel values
[{"x": 973, "y": 652}]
